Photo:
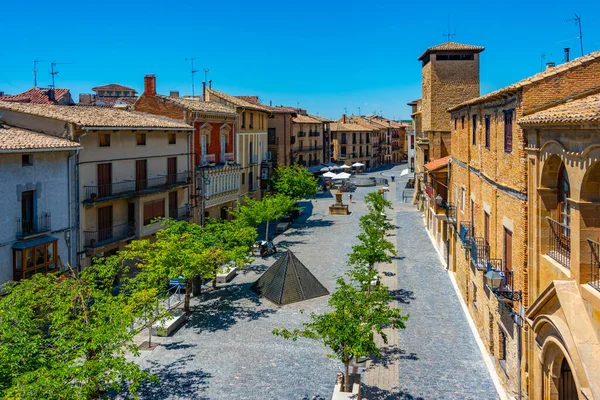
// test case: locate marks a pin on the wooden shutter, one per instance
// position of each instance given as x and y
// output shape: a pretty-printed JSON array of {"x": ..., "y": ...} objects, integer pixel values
[
  {"x": 171, "y": 170},
  {"x": 508, "y": 249},
  {"x": 141, "y": 176},
  {"x": 158, "y": 208},
  {"x": 508, "y": 131},
  {"x": 148, "y": 212},
  {"x": 104, "y": 223},
  {"x": 487, "y": 131},
  {"x": 173, "y": 204},
  {"x": 104, "y": 180}
]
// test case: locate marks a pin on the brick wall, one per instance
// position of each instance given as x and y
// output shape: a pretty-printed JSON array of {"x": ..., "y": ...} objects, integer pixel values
[{"x": 157, "y": 106}]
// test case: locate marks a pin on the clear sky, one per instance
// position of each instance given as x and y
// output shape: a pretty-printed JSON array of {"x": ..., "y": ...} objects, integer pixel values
[{"x": 323, "y": 55}]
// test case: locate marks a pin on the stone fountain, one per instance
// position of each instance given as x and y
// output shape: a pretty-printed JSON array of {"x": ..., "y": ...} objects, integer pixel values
[{"x": 338, "y": 208}]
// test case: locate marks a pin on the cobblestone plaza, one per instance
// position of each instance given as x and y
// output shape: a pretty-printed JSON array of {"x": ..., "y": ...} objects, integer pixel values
[{"x": 226, "y": 349}]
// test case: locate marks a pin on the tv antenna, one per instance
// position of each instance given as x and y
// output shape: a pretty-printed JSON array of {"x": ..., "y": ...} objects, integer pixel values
[
  {"x": 358, "y": 111},
  {"x": 53, "y": 72},
  {"x": 345, "y": 110},
  {"x": 193, "y": 72},
  {"x": 449, "y": 35},
  {"x": 206, "y": 75},
  {"x": 35, "y": 71},
  {"x": 577, "y": 20},
  {"x": 542, "y": 58}
]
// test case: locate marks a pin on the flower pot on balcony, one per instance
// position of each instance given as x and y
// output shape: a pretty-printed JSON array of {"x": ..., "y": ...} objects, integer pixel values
[{"x": 94, "y": 196}]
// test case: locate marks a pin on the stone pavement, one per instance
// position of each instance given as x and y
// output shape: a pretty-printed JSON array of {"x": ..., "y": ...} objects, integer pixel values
[{"x": 437, "y": 357}]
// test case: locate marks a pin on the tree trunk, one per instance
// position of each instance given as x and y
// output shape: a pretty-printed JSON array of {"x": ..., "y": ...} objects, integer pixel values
[
  {"x": 347, "y": 376},
  {"x": 150, "y": 336},
  {"x": 188, "y": 294},
  {"x": 214, "y": 282}
]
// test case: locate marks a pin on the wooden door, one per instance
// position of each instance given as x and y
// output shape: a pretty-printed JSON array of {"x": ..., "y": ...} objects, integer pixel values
[
  {"x": 171, "y": 170},
  {"x": 104, "y": 180},
  {"x": 131, "y": 214},
  {"x": 141, "y": 175},
  {"x": 27, "y": 210},
  {"x": 508, "y": 249},
  {"x": 173, "y": 205},
  {"x": 105, "y": 223}
]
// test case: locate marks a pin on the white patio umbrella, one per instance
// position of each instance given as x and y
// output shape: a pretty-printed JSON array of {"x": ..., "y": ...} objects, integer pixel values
[
  {"x": 358, "y": 164},
  {"x": 345, "y": 166},
  {"x": 342, "y": 175},
  {"x": 324, "y": 169},
  {"x": 329, "y": 175},
  {"x": 404, "y": 172}
]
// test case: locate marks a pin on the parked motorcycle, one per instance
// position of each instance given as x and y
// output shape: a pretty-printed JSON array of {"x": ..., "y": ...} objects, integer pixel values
[{"x": 267, "y": 248}]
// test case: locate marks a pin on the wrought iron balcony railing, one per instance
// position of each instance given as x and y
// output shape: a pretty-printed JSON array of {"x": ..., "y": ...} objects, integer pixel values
[
  {"x": 451, "y": 214},
  {"x": 301, "y": 134},
  {"x": 465, "y": 233},
  {"x": 33, "y": 226},
  {"x": 181, "y": 213},
  {"x": 505, "y": 288},
  {"x": 102, "y": 237},
  {"x": 133, "y": 187},
  {"x": 315, "y": 133},
  {"x": 480, "y": 253},
  {"x": 594, "y": 264},
  {"x": 560, "y": 242},
  {"x": 309, "y": 148}
]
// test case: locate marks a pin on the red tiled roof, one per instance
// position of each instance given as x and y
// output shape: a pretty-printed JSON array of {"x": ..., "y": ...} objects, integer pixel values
[
  {"x": 113, "y": 86},
  {"x": 437, "y": 164},
  {"x": 35, "y": 96},
  {"x": 452, "y": 46},
  {"x": 582, "y": 110},
  {"x": 18, "y": 139}
]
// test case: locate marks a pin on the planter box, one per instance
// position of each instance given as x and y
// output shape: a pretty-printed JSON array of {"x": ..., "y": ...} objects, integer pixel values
[
  {"x": 354, "y": 395},
  {"x": 169, "y": 326},
  {"x": 226, "y": 275}
]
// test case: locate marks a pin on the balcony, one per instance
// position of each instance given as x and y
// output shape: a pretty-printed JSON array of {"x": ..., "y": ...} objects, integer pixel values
[
  {"x": 594, "y": 264},
  {"x": 314, "y": 134},
  {"x": 103, "y": 237},
  {"x": 451, "y": 214},
  {"x": 465, "y": 233},
  {"x": 94, "y": 193},
  {"x": 480, "y": 253},
  {"x": 501, "y": 280},
  {"x": 301, "y": 134},
  {"x": 229, "y": 157},
  {"x": 559, "y": 247},
  {"x": 252, "y": 160},
  {"x": 310, "y": 148},
  {"x": 343, "y": 141},
  {"x": 30, "y": 227},
  {"x": 180, "y": 214}
]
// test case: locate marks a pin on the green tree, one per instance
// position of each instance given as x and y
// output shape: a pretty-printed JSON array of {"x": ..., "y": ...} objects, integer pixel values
[
  {"x": 355, "y": 316},
  {"x": 254, "y": 212},
  {"x": 376, "y": 202},
  {"x": 295, "y": 182},
  {"x": 372, "y": 248},
  {"x": 66, "y": 337},
  {"x": 178, "y": 251}
]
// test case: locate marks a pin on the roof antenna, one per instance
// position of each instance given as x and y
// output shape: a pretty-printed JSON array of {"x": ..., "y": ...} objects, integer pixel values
[
  {"x": 35, "y": 71},
  {"x": 359, "y": 114},
  {"x": 53, "y": 72},
  {"x": 449, "y": 35},
  {"x": 577, "y": 20},
  {"x": 193, "y": 72}
]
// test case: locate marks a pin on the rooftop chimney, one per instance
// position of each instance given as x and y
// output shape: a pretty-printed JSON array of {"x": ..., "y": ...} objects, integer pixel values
[
  {"x": 203, "y": 90},
  {"x": 174, "y": 93},
  {"x": 343, "y": 118},
  {"x": 567, "y": 54},
  {"x": 550, "y": 64},
  {"x": 210, "y": 83},
  {"x": 51, "y": 95},
  {"x": 150, "y": 85}
]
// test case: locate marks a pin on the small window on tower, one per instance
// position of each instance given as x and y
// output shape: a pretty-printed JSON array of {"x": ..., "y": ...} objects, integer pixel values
[
  {"x": 141, "y": 139},
  {"x": 172, "y": 138},
  {"x": 27, "y": 159},
  {"x": 104, "y": 139}
]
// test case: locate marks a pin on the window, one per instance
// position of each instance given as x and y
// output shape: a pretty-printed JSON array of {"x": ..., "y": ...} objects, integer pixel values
[
  {"x": 507, "y": 249},
  {"x": 454, "y": 57},
  {"x": 153, "y": 209},
  {"x": 32, "y": 260},
  {"x": 502, "y": 347},
  {"x": 455, "y": 122},
  {"x": 243, "y": 178},
  {"x": 243, "y": 119},
  {"x": 27, "y": 159},
  {"x": 462, "y": 122},
  {"x": 250, "y": 181},
  {"x": 487, "y": 132},
  {"x": 474, "y": 127},
  {"x": 486, "y": 228},
  {"x": 172, "y": 138},
  {"x": 564, "y": 192},
  {"x": 272, "y": 136},
  {"x": 104, "y": 139},
  {"x": 141, "y": 139},
  {"x": 412, "y": 142},
  {"x": 508, "y": 131},
  {"x": 251, "y": 120}
]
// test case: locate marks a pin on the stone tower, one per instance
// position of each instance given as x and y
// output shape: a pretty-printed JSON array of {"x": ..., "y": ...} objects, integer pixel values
[{"x": 450, "y": 75}]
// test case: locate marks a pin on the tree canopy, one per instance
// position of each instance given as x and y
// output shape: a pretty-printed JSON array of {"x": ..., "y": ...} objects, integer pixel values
[
  {"x": 295, "y": 182},
  {"x": 254, "y": 212}
]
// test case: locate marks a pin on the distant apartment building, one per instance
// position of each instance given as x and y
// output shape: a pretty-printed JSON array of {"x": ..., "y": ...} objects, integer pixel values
[
  {"x": 111, "y": 95},
  {"x": 213, "y": 147},
  {"x": 390, "y": 138},
  {"x": 41, "y": 96},
  {"x": 251, "y": 148},
  {"x": 132, "y": 169},
  {"x": 279, "y": 134},
  {"x": 36, "y": 179},
  {"x": 307, "y": 134},
  {"x": 352, "y": 142}
]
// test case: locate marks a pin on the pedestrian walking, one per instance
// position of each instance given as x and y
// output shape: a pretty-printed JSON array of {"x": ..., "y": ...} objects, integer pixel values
[
  {"x": 350, "y": 197},
  {"x": 393, "y": 177}
]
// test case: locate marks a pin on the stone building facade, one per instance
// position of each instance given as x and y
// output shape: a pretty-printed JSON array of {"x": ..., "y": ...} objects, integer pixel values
[
  {"x": 494, "y": 197},
  {"x": 352, "y": 143}
]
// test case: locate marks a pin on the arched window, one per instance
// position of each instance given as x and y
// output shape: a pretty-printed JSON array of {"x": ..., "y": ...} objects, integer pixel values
[
  {"x": 567, "y": 388},
  {"x": 564, "y": 192}
]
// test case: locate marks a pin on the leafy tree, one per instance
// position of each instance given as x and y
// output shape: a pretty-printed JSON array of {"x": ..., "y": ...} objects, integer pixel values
[
  {"x": 372, "y": 248},
  {"x": 178, "y": 251},
  {"x": 65, "y": 337},
  {"x": 254, "y": 212},
  {"x": 377, "y": 203},
  {"x": 295, "y": 182},
  {"x": 356, "y": 314},
  {"x": 230, "y": 242}
]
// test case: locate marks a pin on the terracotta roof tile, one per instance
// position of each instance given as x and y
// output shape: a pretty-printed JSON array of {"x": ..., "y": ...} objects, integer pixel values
[
  {"x": 437, "y": 164},
  {"x": 305, "y": 119},
  {"x": 35, "y": 96},
  {"x": 583, "y": 110},
  {"x": 95, "y": 116},
  {"x": 17, "y": 139},
  {"x": 113, "y": 86},
  {"x": 319, "y": 118},
  {"x": 530, "y": 80},
  {"x": 452, "y": 46},
  {"x": 197, "y": 104},
  {"x": 238, "y": 101},
  {"x": 348, "y": 127}
]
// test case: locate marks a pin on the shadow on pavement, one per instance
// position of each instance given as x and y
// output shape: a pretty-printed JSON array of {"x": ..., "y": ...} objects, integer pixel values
[
  {"x": 220, "y": 309},
  {"x": 175, "y": 381},
  {"x": 177, "y": 345},
  {"x": 402, "y": 296}
]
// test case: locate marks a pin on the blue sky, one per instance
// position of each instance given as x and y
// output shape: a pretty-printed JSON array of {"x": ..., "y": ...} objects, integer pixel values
[{"x": 323, "y": 55}]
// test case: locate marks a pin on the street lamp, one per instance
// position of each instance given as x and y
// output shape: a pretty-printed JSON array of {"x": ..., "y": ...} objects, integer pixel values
[
  {"x": 438, "y": 200},
  {"x": 493, "y": 279}
]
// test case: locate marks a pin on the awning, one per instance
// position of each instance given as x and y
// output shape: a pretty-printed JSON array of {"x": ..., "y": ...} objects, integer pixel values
[
  {"x": 34, "y": 242},
  {"x": 437, "y": 164}
]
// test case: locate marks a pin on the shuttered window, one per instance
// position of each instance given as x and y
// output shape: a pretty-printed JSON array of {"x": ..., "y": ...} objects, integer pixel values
[
  {"x": 508, "y": 131},
  {"x": 474, "y": 127},
  {"x": 487, "y": 131},
  {"x": 153, "y": 209}
]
